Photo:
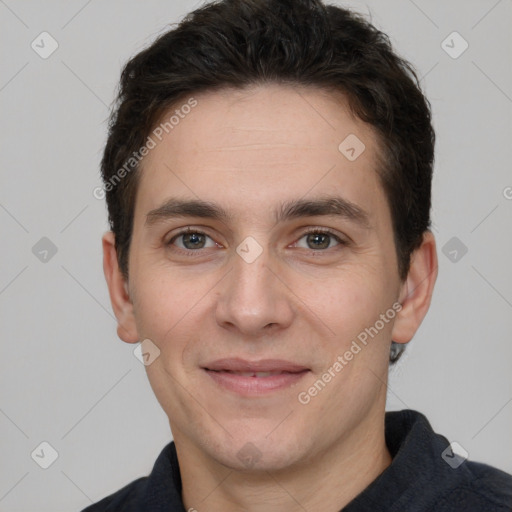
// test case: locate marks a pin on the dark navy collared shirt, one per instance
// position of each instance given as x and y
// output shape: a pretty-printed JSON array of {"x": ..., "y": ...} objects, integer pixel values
[{"x": 424, "y": 476}]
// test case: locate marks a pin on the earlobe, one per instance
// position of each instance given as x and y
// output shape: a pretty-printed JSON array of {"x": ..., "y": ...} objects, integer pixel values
[
  {"x": 118, "y": 291},
  {"x": 417, "y": 290}
]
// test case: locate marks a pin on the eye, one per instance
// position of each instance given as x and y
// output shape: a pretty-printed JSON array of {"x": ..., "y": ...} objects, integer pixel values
[
  {"x": 317, "y": 239},
  {"x": 191, "y": 239},
  {"x": 320, "y": 239}
]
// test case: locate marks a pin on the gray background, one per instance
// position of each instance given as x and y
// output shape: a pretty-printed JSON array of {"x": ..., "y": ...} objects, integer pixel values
[{"x": 65, "y": 376}]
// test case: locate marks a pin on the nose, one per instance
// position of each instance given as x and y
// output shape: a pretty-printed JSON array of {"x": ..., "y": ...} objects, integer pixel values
[{"x": 253, "y": 300}]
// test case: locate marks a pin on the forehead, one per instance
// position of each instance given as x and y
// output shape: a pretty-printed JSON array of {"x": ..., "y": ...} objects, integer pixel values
[{"x": 261, "y": 144}]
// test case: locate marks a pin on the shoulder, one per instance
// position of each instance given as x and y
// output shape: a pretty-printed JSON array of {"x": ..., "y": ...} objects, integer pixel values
[
  {"x": 479, "y": 488},
  {"x": 126, "y": 499},
  {"x": 422, "y": 479}
]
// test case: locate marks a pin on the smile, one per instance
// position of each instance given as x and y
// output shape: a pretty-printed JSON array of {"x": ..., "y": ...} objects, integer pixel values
[{"x": 250, "y": 379}]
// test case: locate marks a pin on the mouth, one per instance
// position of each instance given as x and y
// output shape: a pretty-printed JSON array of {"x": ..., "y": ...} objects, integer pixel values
[
  {"x": 252, "y": 378},
  {"x": 251, "y": 374}
]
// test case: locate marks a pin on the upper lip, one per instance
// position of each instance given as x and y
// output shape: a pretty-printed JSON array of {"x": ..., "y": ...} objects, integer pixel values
[{"x": 263, "y": 365}]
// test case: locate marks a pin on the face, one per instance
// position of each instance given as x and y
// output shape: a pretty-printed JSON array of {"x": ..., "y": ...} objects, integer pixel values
[{"x": 290, "y": 261}]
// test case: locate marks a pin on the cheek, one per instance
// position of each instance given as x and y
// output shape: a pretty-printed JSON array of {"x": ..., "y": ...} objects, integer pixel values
[
  {"x": 351, "y": 308},
  {"x": 351, "y": 298},
  {"x": 176, "y": 312},
  {"x": 161, "y": 306}
]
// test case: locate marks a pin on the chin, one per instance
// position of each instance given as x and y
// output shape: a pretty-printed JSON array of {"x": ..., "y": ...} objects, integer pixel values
[{"x": 257, "y": 451}]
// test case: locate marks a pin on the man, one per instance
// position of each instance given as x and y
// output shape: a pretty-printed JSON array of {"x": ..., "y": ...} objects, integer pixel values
[{"x": 268, "y": 173}]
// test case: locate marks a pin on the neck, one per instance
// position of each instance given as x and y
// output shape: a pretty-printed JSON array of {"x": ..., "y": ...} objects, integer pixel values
[{"x": 327, "y": 481}]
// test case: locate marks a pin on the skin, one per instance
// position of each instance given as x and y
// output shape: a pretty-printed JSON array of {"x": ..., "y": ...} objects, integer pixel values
[{"x": 249, "y": 151}]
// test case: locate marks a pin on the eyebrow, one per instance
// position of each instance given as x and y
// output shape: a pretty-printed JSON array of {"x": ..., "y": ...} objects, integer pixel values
[{"x": 333, "y": 206}]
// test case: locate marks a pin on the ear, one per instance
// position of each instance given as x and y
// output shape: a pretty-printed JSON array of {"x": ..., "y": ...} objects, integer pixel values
[
  {"x": 416, "y": 291},
  {"x": 118, "y": 290}
]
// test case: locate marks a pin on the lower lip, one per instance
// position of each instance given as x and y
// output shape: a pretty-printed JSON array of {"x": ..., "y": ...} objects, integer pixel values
[{"x": 250, "y": 386}]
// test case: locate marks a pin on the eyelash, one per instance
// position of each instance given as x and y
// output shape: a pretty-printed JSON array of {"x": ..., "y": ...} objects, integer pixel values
[{"x": 311, "y": 231}]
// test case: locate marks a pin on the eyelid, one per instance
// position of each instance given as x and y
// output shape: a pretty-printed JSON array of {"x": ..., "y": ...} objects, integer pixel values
[{"x": 321, "y": 229}]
